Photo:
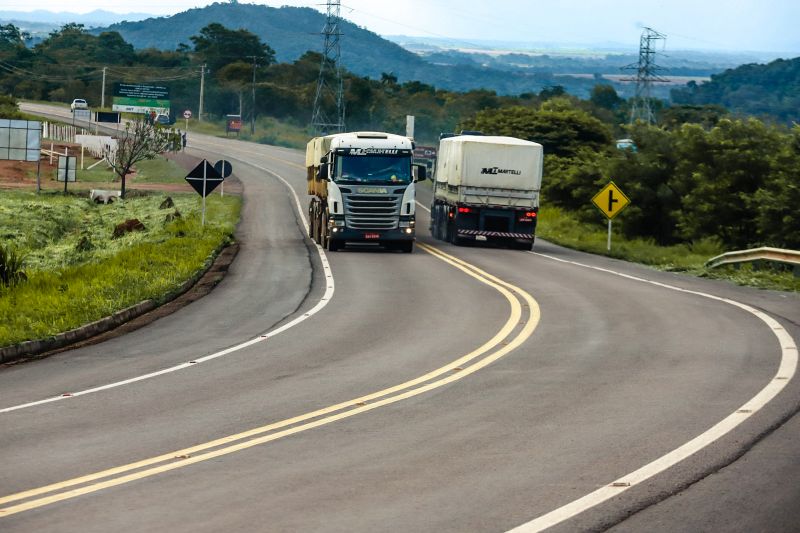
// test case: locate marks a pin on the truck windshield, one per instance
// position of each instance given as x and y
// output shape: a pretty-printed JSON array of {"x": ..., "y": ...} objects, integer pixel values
[{"x": 373, "y": 169}]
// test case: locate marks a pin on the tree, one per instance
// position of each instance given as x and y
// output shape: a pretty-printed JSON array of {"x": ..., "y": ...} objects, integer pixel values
[
  {"x": 706, "y": 115},
  {"x": 141, "y": 141},
  {"x": 717, "y": 175},
  {"x": 236, "y": 76},
  {"x": 12, "y": 37},
  {"x": 561, "y": 128},
  {"x": 605, "y": 96},
  {"x": 218, "y": 46}
]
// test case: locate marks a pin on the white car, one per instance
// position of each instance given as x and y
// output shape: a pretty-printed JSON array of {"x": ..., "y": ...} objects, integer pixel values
[{"x": 78, "y": 103}]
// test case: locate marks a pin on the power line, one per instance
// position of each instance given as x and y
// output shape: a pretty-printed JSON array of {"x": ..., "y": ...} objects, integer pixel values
[
  {"x": 330, "y": 68},
  {"x": 646, "y": 74}
]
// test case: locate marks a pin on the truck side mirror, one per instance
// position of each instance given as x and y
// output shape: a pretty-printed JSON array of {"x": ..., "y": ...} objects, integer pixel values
[
  {"x": 322, "y": 174},
  {"x": 323, "y": 159},
  {"x": 421, "y": 172}
]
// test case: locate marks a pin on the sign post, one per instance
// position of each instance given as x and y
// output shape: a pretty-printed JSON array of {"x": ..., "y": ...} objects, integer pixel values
[
  {"x": 187, "y": 114},
  {"x": 204, "y": 179},
  {"x": 610, "y": 201},
  {"x": 224, "y": 168},
  {"x": 66, "y": 169}
]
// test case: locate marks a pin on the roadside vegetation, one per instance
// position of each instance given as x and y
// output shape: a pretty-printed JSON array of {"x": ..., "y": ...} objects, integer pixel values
[
  {"x": 268, "y": 130},
  {"x": 564, "y": 228},
  {"x": 77, "y": 271}
]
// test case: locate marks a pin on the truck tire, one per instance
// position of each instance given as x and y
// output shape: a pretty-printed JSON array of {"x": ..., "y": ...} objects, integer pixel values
[
  {"x": 312, "y": 222},
  {"x": 452, "y": 234},
  {"x": 407, "y": 247},
  {"x": 323, "y": 231},
  {"x": 333, "y": 245}
]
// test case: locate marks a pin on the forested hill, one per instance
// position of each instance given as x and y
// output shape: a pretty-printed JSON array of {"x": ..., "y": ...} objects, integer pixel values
[
  {"x": 292, "y": 31},
  {"x": 771, "y": 90}
]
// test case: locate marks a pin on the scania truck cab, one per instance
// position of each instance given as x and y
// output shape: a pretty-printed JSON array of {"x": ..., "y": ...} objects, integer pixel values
[{"x": 363, "y": 190}]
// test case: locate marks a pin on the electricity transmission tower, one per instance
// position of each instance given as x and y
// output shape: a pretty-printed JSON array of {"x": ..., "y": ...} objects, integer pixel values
[
  {"x": 330, "y": 91},
  {"x": 647, "y": 73}
]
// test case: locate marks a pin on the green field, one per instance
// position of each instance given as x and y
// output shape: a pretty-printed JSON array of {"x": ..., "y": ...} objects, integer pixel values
[
  {"x": 268, "y": 131},
  {"x": 78, "y": 272},
  {"x": 159, "y": 170}
]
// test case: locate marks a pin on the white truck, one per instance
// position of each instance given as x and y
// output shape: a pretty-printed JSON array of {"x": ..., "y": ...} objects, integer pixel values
[
  {"x": 487, "y": 189},
  {"x": 363, "y": 190}
]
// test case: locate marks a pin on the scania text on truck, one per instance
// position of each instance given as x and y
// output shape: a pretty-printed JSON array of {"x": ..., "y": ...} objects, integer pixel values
[
  {"x": 487, "y": 189},
  {"x": 363, "y": 189}
]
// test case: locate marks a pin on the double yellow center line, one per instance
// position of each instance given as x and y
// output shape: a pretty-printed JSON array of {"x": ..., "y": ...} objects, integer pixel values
[{"x": 522, "y": 321}]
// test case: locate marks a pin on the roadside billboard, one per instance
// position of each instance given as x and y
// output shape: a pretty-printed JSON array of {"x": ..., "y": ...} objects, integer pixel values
[
  {"x": 104, "y": 116},
  {"x": 145, "y": 99},
  {"x": 233, "y": 123}
]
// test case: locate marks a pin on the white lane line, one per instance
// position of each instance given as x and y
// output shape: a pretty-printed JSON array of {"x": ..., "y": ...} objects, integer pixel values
[
  {"x": 326, "y": 297},
  {"x": 786, "y": 372}
]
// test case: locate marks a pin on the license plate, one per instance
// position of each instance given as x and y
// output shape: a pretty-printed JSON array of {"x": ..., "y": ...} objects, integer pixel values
[{"x": 372, "y": 235}]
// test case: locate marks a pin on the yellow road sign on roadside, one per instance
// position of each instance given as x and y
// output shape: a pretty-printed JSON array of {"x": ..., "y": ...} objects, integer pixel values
[{"x": 610, "y": 200}]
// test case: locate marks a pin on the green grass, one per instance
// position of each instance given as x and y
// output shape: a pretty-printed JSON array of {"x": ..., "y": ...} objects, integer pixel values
[
  {"x": 77, "y": 273},
  {"x": 561, "y": 227},
  {"x": 268, "y": 131},
  {"x": 160, "y": 170}
]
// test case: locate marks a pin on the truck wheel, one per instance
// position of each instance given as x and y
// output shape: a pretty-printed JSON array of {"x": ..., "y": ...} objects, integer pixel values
[
  {"x": 323, "y": 231},
  {"x": 333, "y": 245},
  {"x": 312, "y": 222},
  {"x": 452, "y": 235},
  {"x": 438, "y": 231},
  {"x": 407, "y": 247}
]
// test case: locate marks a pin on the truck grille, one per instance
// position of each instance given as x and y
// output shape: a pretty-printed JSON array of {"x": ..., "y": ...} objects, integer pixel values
[{"x": 372, "y": 211}]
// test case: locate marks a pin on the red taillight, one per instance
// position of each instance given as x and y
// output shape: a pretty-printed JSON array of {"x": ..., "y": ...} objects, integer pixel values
[
  {"x": 464, "y": 210},
  {"x": 530, "y": 214}
]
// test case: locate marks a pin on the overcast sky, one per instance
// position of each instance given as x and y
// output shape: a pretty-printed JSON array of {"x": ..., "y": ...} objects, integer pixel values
[{"x": 736, "y": 25}]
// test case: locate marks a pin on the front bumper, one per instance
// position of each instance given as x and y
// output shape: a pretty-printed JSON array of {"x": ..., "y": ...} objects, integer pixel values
[{"x": 340, "y": 233}]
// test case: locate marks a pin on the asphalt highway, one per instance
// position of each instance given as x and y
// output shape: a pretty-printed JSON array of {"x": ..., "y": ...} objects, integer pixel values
[{"x": 453, "y": 389}]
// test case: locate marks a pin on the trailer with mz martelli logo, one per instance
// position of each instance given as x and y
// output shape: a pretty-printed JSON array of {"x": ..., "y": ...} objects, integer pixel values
[{"x": 486, "y": 188}]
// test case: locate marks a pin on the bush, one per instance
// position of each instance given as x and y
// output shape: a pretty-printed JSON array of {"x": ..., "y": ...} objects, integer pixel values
[{"x": 11, "y": 262}]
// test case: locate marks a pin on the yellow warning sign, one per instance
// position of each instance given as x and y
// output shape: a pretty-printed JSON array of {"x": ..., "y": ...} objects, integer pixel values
[{"x": 610, "y": 200}]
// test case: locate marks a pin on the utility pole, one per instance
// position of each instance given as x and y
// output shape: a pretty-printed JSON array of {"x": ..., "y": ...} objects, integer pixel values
[
  {"x": 103, "y": 94},
  {"x": 646, "y": 74},
  {"x": 202, "y": 91},
  {"x": 253, "y": 108},
  {"x": 330, "y": 68}
]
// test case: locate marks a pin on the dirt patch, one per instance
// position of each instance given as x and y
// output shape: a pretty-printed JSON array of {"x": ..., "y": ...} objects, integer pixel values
[{"x": 15, "y": 174}]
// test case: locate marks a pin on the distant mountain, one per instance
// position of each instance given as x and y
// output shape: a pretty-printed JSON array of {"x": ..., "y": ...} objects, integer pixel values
[
  {"x": 97, "y": 17},
  {"x": 292, "y": 31}
]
